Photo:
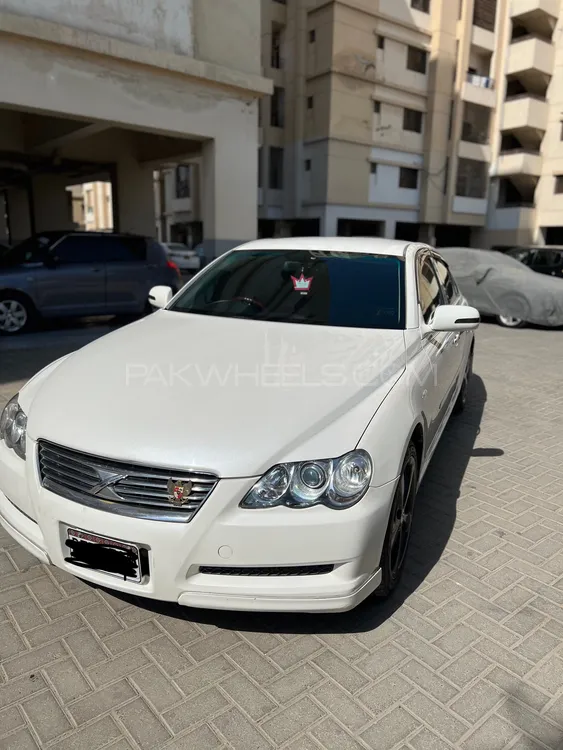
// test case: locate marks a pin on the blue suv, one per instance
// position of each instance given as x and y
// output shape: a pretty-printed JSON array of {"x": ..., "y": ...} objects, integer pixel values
[{"x": 75, "y": 274}]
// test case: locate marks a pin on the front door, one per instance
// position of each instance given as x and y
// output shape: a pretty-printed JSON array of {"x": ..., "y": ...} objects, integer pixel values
[{"x": 72, "y": 282}]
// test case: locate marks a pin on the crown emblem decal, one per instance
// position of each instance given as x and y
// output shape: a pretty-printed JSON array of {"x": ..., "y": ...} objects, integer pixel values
[{"x": 302, "y": 284}]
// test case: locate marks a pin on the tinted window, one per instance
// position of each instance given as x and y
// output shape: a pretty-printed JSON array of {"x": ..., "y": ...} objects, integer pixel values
[
  {"x": 32, "y": 250},
  {"x": 79, "y": 249},
  {"x": 546, "y": 258},
  {"x": 124, "y": 249},
  {"x": 298, "y": 286},
  {"x": 429, "y": 291},
  {"x": 448, "y": 284},
  {"x": 524, "y": 256}
]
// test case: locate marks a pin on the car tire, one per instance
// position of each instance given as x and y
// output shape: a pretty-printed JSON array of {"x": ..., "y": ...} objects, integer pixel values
[
  {"x": 17, "y": 313},
  {"x": 508, "y": 322},
  {"x": 399, "y": 528},
  {"x": 461, "y": 400},
  {"x": 518, "y": 304}
]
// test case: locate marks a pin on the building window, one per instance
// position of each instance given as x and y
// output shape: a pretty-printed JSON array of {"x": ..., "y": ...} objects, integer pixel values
[
  {"x": 475, "y": 127},
  {"x": 558, "y": 184},
  {"x": 471, "y": 179},
  {"x": 373, "y": 168},
  {"x": 307, "y": 165},
  {"x": 312, "y": 36},
  {"x": 408, "y": 178},
  {"x": 423, "y": 5},
  {"x": 446, "y": 174},
  {"x": 310, "y": 102},
  {"x": 380, "y": 42},
  {"x": 276, "y": 168},
  {"x": 276, "y": 56},
  {"x": 183, "y": 181},
  {"x": 416, "y": 59},
  {"x": 377, "y": 108},
  {"x": 484, "y": 12},
  {"x": 412, "y": 120},
  {"x": 277, "y": 108},
  {"x": 561, "y": 133}
]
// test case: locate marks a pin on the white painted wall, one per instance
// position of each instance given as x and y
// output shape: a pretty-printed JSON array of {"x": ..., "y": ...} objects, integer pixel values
[
  {"x": 384, "y": 188},
  {"x": 162, "y": 24}
]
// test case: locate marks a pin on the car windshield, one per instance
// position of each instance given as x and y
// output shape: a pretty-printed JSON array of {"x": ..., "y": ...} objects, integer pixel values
[{"x": 301, "y": 286}]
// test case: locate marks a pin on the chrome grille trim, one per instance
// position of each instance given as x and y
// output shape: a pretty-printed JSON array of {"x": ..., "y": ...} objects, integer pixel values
[{"x": 119, "y": 487}]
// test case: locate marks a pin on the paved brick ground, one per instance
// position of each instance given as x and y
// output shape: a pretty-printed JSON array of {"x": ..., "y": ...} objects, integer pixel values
[{"x": 469, "y": 655}]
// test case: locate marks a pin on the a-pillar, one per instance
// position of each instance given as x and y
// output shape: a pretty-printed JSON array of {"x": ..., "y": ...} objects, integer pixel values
[
  {"x": 133, "y": 198},
  {"x": 18, "y": 214},
  {"x": 229, "y": 193},
  {"x": 52, "y": 203}
]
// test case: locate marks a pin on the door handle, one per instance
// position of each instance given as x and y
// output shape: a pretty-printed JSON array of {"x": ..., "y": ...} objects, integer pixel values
[
  {"x": 96, "y": 270},
  {"x": 456, "y": 339}
]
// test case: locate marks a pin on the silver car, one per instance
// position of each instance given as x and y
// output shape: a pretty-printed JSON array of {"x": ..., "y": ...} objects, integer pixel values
[
  {"x": 74, "y": 274},
  {"x": 503, "y": 287}
]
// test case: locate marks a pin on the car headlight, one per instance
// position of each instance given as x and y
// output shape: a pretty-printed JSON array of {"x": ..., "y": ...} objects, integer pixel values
[
  {"x": 337, "y": 483},
  {"x": 13, "y": 427}
]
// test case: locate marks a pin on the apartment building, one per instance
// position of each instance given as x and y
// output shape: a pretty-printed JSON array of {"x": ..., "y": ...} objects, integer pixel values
[
  {"x": 435, "y": 120},
  {"x": 526, "y": 188}
]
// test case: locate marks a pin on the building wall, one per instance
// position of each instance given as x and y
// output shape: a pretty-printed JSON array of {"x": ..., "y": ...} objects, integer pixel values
[{"x": 162, "y": 24}]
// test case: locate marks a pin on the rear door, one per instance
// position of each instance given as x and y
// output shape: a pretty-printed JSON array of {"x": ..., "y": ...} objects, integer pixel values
[
  {"x": 72, "y": 282},
  {"x": 127, "y": 273}
]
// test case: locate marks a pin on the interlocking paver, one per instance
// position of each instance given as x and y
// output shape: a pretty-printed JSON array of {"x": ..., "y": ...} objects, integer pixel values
[{"x": 468, "y": 657}]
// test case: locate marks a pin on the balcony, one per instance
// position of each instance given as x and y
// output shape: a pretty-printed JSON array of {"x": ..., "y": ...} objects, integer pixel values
[
  {"x": 530, "y": 57},
  {"x": 512, "y": 218},
  {"x": 519, "y": 162},
  {"x": 525, "y": 112},
  {"x": 538, "y": 16},
  {"x": 479, "y": 90}
]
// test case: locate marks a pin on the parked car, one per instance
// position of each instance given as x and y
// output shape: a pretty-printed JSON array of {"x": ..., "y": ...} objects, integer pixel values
[
  {"x": 256, "y": 444},
  {"x": 62, "y": 274},
  {"x": 182, "y": 256},
  {"x": 546, "y": 260},
  {"x": 501, "y": 286}
]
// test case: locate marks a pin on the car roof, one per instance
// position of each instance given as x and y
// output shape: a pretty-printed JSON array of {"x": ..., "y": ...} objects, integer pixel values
[{"x": 372, "y": 245}]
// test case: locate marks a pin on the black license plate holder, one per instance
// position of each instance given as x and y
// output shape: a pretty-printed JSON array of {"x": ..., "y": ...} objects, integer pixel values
[{"x": 113, "y": 557}]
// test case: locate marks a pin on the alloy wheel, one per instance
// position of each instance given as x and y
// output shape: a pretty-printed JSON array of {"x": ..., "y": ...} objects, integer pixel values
[
  {"x": 402, "y": 514},
  {"x": 510, "y": 322},
  {"x": 13, "y": 315}
]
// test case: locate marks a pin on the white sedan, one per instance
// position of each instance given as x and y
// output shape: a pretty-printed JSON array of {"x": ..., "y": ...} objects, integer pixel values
[
  {"x": 257, "y": 443},
  {"x": 182, "y": 256}
]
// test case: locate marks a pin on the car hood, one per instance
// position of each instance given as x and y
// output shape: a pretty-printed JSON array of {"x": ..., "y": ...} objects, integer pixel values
[{"x": 223, "y": 395}]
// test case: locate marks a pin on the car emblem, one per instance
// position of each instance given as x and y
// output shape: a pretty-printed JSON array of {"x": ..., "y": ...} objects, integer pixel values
[{"x": 179, "y": 491}]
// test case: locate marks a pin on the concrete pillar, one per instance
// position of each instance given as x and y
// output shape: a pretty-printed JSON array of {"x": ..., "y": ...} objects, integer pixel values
[
  {"x": 133, "y": 198},
  {"x": 18, "y": 213},
  {"x": 52, "y": 202},
  {"x": 229, "y": 188}
]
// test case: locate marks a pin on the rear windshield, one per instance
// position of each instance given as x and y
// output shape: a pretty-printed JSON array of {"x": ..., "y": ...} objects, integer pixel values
[{"x": 301, "y": 286}]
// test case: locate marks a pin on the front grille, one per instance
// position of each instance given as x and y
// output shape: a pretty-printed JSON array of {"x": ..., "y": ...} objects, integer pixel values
[
  {"x": 124, "y": 488},
  {"x": 294, "y": 570}
]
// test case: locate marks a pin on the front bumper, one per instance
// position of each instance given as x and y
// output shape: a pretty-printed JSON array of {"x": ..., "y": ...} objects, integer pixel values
[{"x": 221, "y": 534}]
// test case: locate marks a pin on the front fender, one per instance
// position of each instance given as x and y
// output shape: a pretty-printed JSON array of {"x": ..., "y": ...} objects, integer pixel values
[{"x": 386, "y": 437}]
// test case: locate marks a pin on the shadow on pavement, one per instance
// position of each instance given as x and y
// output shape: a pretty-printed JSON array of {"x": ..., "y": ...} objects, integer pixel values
[{"x": 435, "y": 516}]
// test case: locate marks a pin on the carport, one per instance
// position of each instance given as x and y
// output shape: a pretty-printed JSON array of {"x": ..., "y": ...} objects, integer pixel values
[{"x": 81, "y": 107}]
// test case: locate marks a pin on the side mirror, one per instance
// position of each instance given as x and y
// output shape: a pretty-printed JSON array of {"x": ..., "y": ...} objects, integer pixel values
[
  {"x": 160, "y": 296},
  {"x": 455, "y": 318}
]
